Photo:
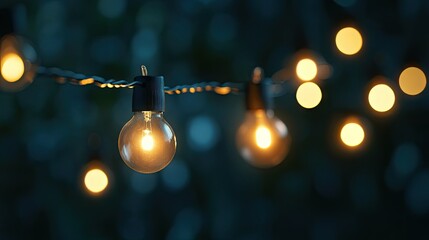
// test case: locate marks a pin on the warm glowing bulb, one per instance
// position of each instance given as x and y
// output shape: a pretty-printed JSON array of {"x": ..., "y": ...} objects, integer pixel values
[
  {"x": 96, "y": 180},
  {"x": 381, "y": 98},
  {"x": 412, "y": 81},
  {"x": 308, "y": 95},
  {"x": 349, "y": 41},
  {"x": 352, "y": 134},
  {"x": 17, "y": 58},
  {"x": 262, "y": 139},
  {"x": 147, "y": 143},
  {"x": 306, "y": 69},
  {"x": 12, "y": 67}
]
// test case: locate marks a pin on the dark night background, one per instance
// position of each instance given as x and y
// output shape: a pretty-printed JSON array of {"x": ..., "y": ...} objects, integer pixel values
[{"x": 49, "y": 132}]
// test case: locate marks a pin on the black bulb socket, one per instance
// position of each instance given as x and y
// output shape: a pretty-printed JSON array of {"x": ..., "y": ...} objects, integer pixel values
[
  {"x": 258, "y": 95},
  {"x": 149, "y": 95}
]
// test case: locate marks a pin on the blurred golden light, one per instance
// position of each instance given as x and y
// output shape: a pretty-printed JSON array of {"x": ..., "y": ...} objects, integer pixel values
[
  {"x": 222, "y": 90},
  {"x": 306, "y": 69},
  {"x": 12, "y": 67},
  {"x": 309, "y": 95},
  {"x": 96, "y": 180},
  {"x": 349, "y": 40},
  {"x": 352, "y": 134},
  {"x": 263, "y": 137},
  {"x": 412, "y": 81},
  {"x": 381, "y": 98}
]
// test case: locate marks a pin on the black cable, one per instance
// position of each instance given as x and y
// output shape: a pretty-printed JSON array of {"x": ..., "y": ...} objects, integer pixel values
[{"x": 65, "y": 76}]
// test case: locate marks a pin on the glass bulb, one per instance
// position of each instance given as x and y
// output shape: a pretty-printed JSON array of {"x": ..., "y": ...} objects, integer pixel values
[
  {"x": 147, "y": 143},
  {"x": 17, "y": 63},
  {"x": 263, "y": 140}
]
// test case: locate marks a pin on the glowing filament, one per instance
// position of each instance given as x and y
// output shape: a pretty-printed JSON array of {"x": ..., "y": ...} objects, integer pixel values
[
  {"x": 12, "y": 67},
  {"x": 96, "y": 180},
  {"x": 147, "y": 141},
  {"x": 263, "y": 137}
]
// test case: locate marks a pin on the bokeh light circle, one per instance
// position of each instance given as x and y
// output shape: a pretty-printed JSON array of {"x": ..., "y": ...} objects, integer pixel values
[
  {"x": 352, "y": 134},
  {"x": 412, "y": 81},
  {"x": 96, "y": 180},
  {"x": 381, "y": 98},
  {"x": 203, "y": 133},
  {"x": 349, "y": 41},
  {"x": 308, "y": 95},
  {"x": 306, "y": 69}
]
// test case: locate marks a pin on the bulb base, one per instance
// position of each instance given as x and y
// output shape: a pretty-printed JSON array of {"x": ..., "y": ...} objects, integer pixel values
[
  {"x": 149, "y": 95},
  {"x": 258, "y": 95}
]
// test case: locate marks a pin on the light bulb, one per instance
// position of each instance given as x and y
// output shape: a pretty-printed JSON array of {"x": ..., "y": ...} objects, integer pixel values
[
  {"x": 262, "y": 139},
  {"x": 17, "y": 58},
  {"x": 147, "y": 143}
]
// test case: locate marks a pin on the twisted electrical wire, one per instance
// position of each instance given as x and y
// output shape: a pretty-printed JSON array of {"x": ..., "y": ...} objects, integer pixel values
[{"x": 66, "y": 76}]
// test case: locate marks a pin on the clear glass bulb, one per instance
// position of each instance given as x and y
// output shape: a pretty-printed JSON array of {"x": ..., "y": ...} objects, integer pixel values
[
  {"x": 17, "y": 63},
  {"x": 262, "y": 139},
  {"x": 147, "y": 143}
]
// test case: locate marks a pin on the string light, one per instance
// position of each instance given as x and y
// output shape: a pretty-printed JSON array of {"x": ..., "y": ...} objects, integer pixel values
[
  {"x": 308, "y": 95},
  {"x": 16, "y": 70},
  {"x": 262, "y": 139},
  {"x": 381, "y": 98},
  {"x": 412, "y": 81},
  {"x": 349, "y": 41},
  {"x": 147, "y": 143}
]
